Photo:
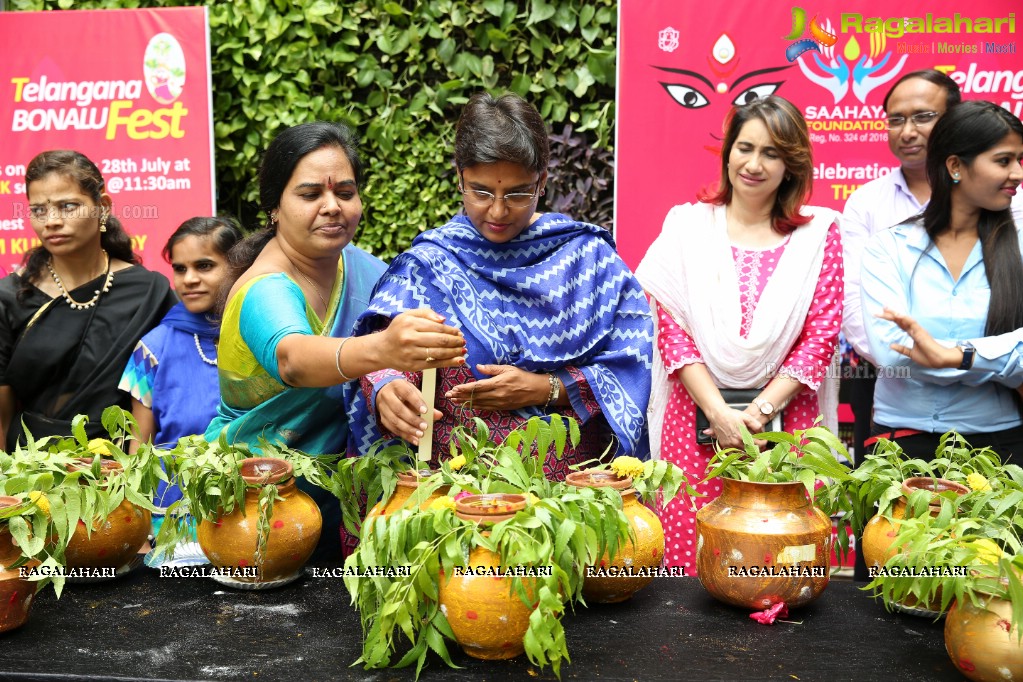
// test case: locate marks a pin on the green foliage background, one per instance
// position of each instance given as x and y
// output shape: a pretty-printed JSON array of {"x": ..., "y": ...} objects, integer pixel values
[{"x": 399, "y": 71}]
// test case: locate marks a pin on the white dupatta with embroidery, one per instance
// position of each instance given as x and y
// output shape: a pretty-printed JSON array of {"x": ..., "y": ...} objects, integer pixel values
[{"x": 690, "y": 271}]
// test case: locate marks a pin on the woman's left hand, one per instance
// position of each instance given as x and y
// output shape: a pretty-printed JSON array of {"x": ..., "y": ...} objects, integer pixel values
[
  {"x": 925, "y": 350},
  {"x": 509, "y": 388}
]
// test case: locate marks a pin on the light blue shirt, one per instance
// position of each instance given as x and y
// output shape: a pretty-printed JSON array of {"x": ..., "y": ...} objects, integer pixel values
[{"x": 936, "y": 400}]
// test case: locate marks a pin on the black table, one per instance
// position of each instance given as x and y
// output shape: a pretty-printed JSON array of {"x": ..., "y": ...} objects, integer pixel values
[{"x": 144, "y": 627}]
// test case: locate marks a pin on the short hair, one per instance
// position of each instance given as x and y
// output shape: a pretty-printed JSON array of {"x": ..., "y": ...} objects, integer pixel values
[
  {"x": 952, "y": 94},
  {"x": 790, "y": 136},
  {"x": 504, "y": 129}
]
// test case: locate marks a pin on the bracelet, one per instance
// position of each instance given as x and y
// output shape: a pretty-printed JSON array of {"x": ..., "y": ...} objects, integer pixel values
[
  {"x": 337, "y": 360},
  {"x": 554, "y": 392}
]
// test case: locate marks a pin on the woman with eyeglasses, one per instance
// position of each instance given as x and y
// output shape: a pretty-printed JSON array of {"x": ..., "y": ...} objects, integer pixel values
[
  {"x": 943, "y": 294},
  {"x": 553, "y": 319},
  {"x": 747, "y": 285},
  {"x": 72, "y": 314}
]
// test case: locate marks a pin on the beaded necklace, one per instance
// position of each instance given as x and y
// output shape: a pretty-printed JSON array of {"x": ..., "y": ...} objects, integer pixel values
[
  {"x": 202, "y": 355},
  {"x": 76, "y": 305}
]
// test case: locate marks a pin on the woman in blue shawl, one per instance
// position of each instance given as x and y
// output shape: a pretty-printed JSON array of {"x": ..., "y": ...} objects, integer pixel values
[
  {"x": 172, "y": 373},
  {"x": 286, "y": 359},
  {"x": 553, "y": 319}
]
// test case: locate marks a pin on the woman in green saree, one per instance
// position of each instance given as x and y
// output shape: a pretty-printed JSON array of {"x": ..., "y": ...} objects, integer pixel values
[{"x": 287, "y": 361}]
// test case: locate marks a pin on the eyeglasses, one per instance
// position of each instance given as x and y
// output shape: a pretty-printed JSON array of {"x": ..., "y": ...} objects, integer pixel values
[
  {"x": 479, "y": 197},
  {"x": 919, "y": 119}
]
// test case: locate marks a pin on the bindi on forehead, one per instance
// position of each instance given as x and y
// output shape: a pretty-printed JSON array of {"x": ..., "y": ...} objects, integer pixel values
[{"x": 330, "y": 182}]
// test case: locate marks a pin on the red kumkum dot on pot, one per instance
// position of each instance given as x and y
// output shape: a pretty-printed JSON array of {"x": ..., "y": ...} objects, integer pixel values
[
  {"x": 243, "y": 563},
  {"x": 471, "y": 615},
  {"x": 966, "y": 665},
  {"x": 278, "y": 524}
]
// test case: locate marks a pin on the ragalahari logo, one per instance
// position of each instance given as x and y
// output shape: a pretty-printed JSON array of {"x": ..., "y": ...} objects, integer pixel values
[
  {"x": 831, "y": 70},
  {"x": 163, "y": 67}
]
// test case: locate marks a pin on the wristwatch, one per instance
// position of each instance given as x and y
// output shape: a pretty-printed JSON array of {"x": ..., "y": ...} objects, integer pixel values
[
  {"x": 969, "y": 351},
  {"x": 766, "y": 407}
]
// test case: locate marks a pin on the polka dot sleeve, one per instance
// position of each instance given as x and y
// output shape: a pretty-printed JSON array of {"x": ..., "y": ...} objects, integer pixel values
[
  {"x": 675, "y": 345},
  {"x": 809, "y": 359}
]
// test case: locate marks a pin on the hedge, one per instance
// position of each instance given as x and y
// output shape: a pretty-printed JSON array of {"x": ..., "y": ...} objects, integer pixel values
[{"x": 399, "y": 73}]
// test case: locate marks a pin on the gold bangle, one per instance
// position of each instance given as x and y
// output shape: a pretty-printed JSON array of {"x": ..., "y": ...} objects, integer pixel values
[
  {"x": 337, "y": 360},
  {"x": 554, "y": 392}
]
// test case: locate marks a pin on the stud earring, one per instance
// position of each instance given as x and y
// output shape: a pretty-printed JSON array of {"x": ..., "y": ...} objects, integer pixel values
[{"x": 955, "y": 178}]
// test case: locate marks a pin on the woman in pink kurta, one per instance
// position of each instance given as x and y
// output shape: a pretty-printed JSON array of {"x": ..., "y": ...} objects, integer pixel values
[{"x": 747, "y": 289}]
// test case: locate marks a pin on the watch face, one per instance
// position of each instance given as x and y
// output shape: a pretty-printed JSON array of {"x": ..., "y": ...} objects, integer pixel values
[{"x": 766, "y": 407}]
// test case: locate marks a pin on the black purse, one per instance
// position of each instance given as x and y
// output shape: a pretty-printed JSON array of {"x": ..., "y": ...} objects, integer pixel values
[{"x": 738, "y": 399}]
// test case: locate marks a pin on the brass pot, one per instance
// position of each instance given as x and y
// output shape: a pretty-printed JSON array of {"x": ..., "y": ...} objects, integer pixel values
[
  {"x": 762, "y": 543},
  {"x": 877, "y": 541},
  {"x": 16, "y": 593},
  {"x": 982, "y": 643},
  {"x": 114, "y": 541},
  {"x": 487, "y": 618},
  {"x": 408, "y": 483},
  {"x": 646, "y": 553},
  {"x": 880, "y": 532},
  {"x": 295, "y": 525}
]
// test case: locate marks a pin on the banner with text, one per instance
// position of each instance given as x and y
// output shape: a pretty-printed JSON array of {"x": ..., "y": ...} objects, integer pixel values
[
  {"x": 130, "y": 89},
  {"x": 682, "y": 65}
]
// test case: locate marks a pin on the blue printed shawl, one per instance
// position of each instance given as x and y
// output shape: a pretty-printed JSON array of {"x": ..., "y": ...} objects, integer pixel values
[{"x": 557, "y": 295}]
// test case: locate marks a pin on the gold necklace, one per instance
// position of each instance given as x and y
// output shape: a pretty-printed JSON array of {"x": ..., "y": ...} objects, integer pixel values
[
  {"x": 309, "y": 282},
  {"x": 75, "y": 305}
]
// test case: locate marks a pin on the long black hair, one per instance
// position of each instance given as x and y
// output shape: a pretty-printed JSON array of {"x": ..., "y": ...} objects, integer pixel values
[
  {"x": 77, "y": 167},
  {"x": 222, "y": 231},
  {"x": 966, "y": 131},
  {"x": 279, "y": 162}
]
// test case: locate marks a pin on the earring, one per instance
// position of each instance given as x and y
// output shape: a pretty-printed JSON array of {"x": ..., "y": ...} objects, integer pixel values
[
  {"x": 788, "y": 177},
  {"x": 103, "y": 223},
  {"x": 273, "y": 218},
  {"x": 542, "y": 191},
  {"x": 955, "y": 178}
]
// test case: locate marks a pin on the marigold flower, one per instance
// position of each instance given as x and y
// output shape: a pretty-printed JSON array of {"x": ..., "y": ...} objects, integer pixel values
[
  {"x": 100, "y": 446},
  {"x": 627, "y": 466},
  {"x": 457, "y": 463},
  {"x": 977, "y": 482},
  {"x": 443, "y": 502},
  {"x": 40, "y": 501}
]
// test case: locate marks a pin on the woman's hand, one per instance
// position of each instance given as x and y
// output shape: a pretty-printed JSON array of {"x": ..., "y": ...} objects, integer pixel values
[
  {"x": 419, "y": 339},
  {"x": 509, "y": 388},
  {"x": 925, "y": 350},
  {"x": 401, "y": 408},
  {"x": 724, "y": 426}
]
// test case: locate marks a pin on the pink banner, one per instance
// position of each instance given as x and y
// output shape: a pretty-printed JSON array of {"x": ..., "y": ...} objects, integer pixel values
[
  {"x": 130, "y": 89},
  {"x": 683, "y": 64}
]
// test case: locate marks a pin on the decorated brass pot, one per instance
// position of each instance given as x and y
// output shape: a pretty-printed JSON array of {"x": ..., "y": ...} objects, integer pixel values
[
  {"x": 487, "y": 618},
  {"x": 877, "y": 542},
  {"x": 643, "y": 556},
  {"x": 295, "y": 524},
  {"x": 763, "y": 543},
  {"x": 879, "y": 533},
  {"x": 16, "y": 593},
  {"x": 408, "y": 483},
  {"x": 981, "y": 641},
  {"x": 114, "y": 541}
]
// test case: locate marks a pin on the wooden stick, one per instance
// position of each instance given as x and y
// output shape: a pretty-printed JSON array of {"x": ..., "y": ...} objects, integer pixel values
[{"x": 428, "y": 391}]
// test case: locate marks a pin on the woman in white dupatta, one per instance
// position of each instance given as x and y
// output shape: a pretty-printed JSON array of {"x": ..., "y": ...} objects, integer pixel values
[{"x": 747, "y": 289}]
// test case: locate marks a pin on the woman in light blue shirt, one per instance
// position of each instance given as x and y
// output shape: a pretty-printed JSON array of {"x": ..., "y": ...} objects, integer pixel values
[{"x": 946, "y": 292}]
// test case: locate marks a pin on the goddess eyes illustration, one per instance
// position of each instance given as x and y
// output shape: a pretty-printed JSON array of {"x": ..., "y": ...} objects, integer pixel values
[{"x": 718, "y": 88}]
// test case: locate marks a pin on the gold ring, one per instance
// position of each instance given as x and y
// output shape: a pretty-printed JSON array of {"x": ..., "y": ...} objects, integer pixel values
[{"x": 430, "y": 358}]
